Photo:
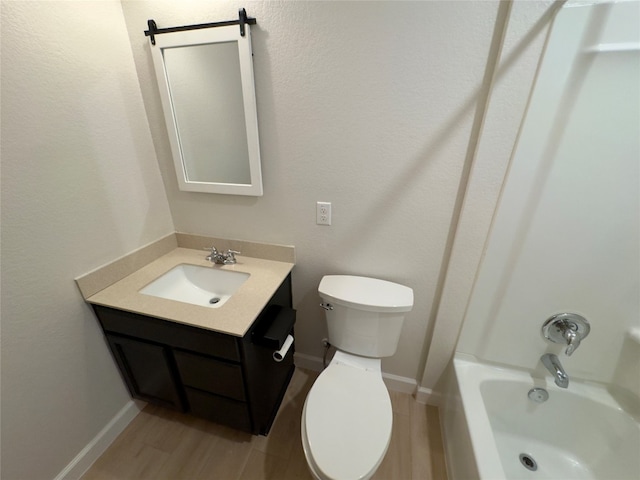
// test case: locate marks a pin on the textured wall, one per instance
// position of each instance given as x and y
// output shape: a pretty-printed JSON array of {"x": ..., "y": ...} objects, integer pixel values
[
  {"x": 368, "y": 105},
  {"x": 521, "y": 46},
  {"x": 80, "y": 187}
]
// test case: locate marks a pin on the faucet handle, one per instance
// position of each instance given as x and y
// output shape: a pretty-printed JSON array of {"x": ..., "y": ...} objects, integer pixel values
[
  {"x": 573, "y": 340},
  {"x": 213, "y": 254},
  {"x": 230, "y": 256},
  {"x": 566, "y": 328}
]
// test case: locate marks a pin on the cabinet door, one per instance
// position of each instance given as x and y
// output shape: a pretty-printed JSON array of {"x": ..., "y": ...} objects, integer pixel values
[{"x": 148, "y": 371}]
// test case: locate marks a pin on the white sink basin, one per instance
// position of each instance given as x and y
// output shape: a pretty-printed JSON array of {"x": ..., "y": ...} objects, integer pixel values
[{"x": 204, "y": 286}]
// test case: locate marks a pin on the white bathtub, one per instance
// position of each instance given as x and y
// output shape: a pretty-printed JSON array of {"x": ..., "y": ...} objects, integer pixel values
[{"x": 578, "y": 433}]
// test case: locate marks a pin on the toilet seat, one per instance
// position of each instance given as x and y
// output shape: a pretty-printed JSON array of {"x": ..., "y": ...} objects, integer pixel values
[{"x": 347, "y": 421}]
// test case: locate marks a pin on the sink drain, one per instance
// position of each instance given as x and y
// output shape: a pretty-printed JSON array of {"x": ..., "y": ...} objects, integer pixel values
[
  {"x": 528, "y": 462},
  {"x": 214, "y": 300}
]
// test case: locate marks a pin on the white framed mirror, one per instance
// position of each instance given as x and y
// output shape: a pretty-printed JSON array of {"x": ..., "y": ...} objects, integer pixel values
[{"x": 208, "y": 97}]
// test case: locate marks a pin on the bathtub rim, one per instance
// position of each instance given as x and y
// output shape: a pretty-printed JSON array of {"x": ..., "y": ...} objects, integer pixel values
[
  {"x": 478, "y": 425},
  {"x": 470, "y": 373}
]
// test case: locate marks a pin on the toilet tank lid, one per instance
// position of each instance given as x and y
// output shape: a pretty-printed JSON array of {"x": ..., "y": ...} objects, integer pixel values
[{"x": 365, "y": 293}]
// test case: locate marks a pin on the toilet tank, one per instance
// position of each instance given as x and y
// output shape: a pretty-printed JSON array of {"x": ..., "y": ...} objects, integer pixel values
[{"x": 364, "y": 315}]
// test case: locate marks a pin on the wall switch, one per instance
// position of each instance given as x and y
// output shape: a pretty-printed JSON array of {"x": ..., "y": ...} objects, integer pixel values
[{"x": 323, "y": 213}]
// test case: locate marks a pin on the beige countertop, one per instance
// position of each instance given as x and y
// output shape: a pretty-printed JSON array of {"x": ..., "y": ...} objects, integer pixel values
[{"x": 235, "y": 317}]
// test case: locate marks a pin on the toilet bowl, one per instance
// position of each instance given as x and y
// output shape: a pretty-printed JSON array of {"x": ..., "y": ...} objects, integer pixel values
[{"x": 347, "y": 417}]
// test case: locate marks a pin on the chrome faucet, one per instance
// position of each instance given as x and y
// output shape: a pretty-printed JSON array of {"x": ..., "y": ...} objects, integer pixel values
[
  {"x": 220, "y": 258},
  {"x": 552, "y": 362}
]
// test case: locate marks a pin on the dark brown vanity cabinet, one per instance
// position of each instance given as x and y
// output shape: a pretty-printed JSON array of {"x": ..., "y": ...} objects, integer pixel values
[
  {"x": 147, "y": 371},
  {"x": 230, "y": 380}
]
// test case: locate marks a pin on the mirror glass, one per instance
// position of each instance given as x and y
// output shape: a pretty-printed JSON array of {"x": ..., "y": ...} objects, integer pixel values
[{"x": 208, "y": 97}]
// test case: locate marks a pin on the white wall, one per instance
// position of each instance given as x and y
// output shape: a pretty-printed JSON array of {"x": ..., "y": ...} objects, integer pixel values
[
  {"x": 566, "y": 233},
  {"x": 80, "y": 187},
  {"x": 368, "y": 105}
]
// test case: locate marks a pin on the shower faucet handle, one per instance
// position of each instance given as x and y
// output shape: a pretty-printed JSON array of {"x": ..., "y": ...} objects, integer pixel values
[
  {"x": 566, "y": 328},
  {"x": 573, "y": 340}
]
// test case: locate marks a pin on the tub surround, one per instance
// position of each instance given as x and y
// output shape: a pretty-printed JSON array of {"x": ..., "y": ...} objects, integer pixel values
[
  {"x": 117, "y": 284},
  {"x": 590, "y": 429}
]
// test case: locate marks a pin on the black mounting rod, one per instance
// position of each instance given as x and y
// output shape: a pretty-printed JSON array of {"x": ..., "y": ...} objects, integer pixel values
[{"x": 242, "y": 21}]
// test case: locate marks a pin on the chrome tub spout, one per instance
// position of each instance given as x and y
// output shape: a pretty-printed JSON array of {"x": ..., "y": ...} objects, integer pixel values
[{"x": 552, "y": 363}]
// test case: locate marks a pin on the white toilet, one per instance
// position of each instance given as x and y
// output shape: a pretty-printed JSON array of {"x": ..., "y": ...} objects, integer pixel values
[{"x": 347, "y": 417}]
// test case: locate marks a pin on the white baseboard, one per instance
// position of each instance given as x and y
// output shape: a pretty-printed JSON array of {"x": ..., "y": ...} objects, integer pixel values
[
  {"x": 400, "y": 384},
  {"x": 97, "y": 446},
  {"x": 308, "y": 362},
  {"x": 426, "y": 396},
  {"x": 393, "y": 382}
]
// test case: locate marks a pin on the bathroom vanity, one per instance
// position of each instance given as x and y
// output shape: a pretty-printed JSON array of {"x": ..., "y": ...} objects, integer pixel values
[{"x": 214, "y": 363}]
